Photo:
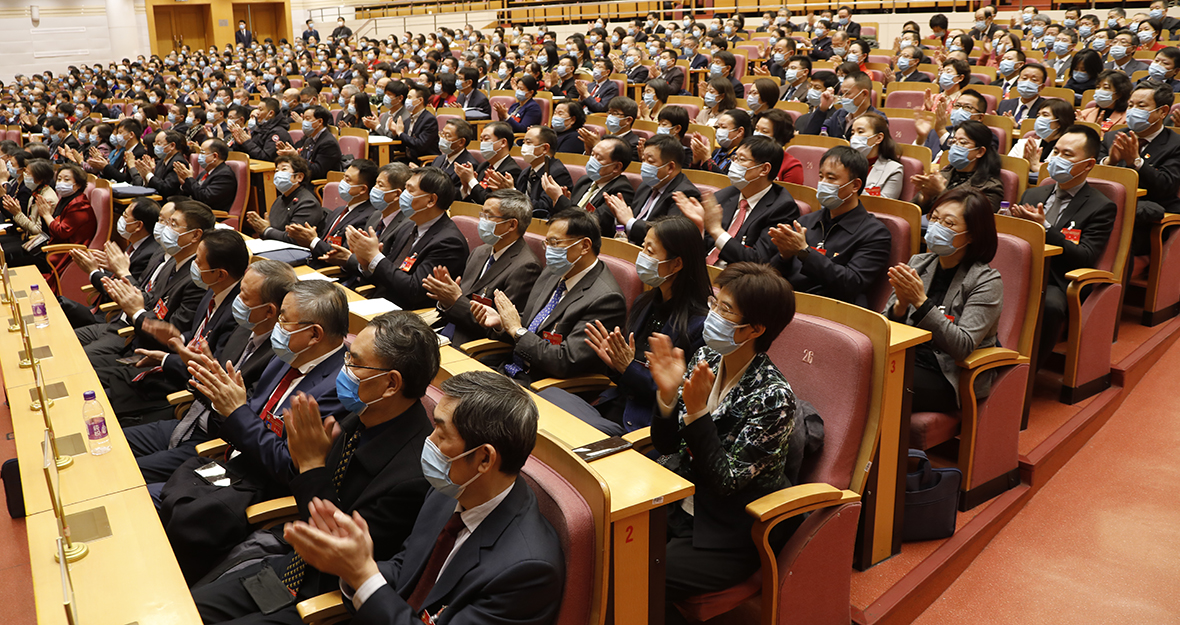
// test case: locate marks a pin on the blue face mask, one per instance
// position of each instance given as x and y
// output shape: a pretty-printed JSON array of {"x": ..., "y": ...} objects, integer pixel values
[
  {"x": 1139, "y": 120},
  {"x": 436, "y": 468},
  {"x": 838, "y": 51},
  {"x": 710, "y": 99},
  {"x": 405, "y": 202},
  {"x": 718, "y": 334},
  {"x": 521, "y": 95},
  {"x": 1037, "y": 31},
  {"x": 348, "y": 388},
  {"x": 593, "y": 169},
  {"x": 1104, "y": 97},
  {"x": 280, "y": 341},
  {"x": 715, "y": 70},
  {"x": 557, "y": 259},
  {"x": 648, "y": 269},
  {"x": 959, "y": 157},
  {"x": 849, "y": 104},
  {"x": 1085, "y": 31},
  {"x": 1081, "y": 76},
  {"x": 307, "y": 127},
  {"x": 1007, "y": 66},
  {"x": 242, "y": 313},
  {"x": 487, "y": 231},
  {"x": 196, "y": 273},
  {"x": 1061, "y": 48},
  {"x": 904, "y": 63},
  {"x": 1027, "y": 88},
  {"x": 377, "y": 199},
  {"x": 613, "y": 124},
  {"x": 650, "y": 174},
  {"x": 946, "y": 81},
  {"x": 940, "y": 239},
  {"x": 1061, "y": 170},
  {"x": 1043, "y": 127},
  {"x": 283, "y": 181},
  {"x": 63, "y": 189},
  {"x": 828, "y": 195},
  {"x": 344, "y": 190},
  {"x": 1157, "y": 71},
  {"x": 1145, "y": 36},
  {"x": 159, "y": 151}
]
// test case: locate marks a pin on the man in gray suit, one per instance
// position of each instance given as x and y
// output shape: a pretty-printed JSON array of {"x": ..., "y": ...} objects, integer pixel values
[
  {"x": 1127, "y": 45},
  {"x": 394, "y": 104},
  {"x": 575, "y": 290},
  {"x": 504, "y": 263}
]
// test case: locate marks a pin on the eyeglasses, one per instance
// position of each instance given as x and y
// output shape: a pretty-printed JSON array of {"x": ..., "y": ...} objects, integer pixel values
[
  {"x": 486, "y": 215},
  {"x": 963, "y": 143},
  {"x": 349, "y": 362},
  {"x": 963, "y": 106},
  {"x": 284, "y": 322},
  {"x": 557, "y": 242},
  {"x": 723, "y": 309}
]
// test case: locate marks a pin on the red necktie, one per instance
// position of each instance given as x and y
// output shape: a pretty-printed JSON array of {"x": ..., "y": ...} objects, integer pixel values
[
  {"x": 282, "y": 387},
  {"x": 338, "y": 220},
  {"x": 442, "y": 549},
  {"x": 734, "y": 227}
]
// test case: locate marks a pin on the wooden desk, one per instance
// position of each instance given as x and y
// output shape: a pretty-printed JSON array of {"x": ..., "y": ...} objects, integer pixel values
[
  {"x": 129, "y": 577},
  {"x": 89, "y": 476},
  {"x": 639, "y": 491},
  {"x": 68, "y": 356},
  {"x": 382, "y": 145},
  {"x": 266, "y": 170}
]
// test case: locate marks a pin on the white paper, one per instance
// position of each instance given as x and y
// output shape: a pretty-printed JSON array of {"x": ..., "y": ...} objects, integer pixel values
[
  {"x": 222, "y": 226},
  {"x": 5, "y": 226},
  {"x": 372, "y": 307},
  {"x": 261, "y": 246},
  {"x": 379, "y": 140},
  {"x": 315, "y": 275}
]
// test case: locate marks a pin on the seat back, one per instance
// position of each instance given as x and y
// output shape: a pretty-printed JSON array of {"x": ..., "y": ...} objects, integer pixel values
[
  {"x": 834, "y": 355},
  {"x": 809, "y": 155},
  {"x": 99, "y": 192},
  {"x": 576, "y": 502},
  {"x": 356, "y": 146},
  {"x": 904, "y": 222},
  {"x": 804, "y": 196},
  {"x": 575, "y": 164},
  {"x": 910, "y": 167},
  {"x": 469, "y": 226},
  {"x": 634, "y": 178},
  {"x": 1114, "y": 182},
  {"x": 625, "y": 274},
  {"x": 331, "y": 199},
  {"x": 905, "y": 99},
  {"x": 706, "y": 181},
  {"x": 239, "y": 163},
  {"x": 536, "y": 243},
  {"x": 506, "y": 100},
  {"x": 902, "y": 129}
]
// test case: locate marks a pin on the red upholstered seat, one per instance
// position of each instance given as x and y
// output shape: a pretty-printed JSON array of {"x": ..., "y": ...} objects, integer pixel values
[
  {"x": 910, "y": 167},
  {"x": 1011, "y": 180},
  {"x": 536, "y": 243},
  {"x": 899, "y": 252},
  {"x": 635, "y": 179},
  {"x": 905, "y": 99},
  {"x": 573, "y": 520},
  {"x": 352, "y": 145},
  {"x": 902, "y": 129},
  {"x": 506, "y": 100},
  {"x": 576, "y": 172},
  {"x": 809, "y": 155},
  {"x": 625, "y": 274},
  {"x": 469, "y": 226},
  {"x": 241, "y": 171},
  {"x": 693, "y": 110}
]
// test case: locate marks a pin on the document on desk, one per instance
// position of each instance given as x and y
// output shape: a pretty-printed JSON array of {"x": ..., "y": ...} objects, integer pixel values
[
  {"x": 372, "y": 307},
  {"x": 261, "y": 246},
  {"x": 315, "y": 275}
]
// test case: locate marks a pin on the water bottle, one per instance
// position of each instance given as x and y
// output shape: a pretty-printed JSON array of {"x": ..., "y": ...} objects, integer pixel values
[
  {"x": 96, "y": 425},
  {"x": 621, "y": 232},
  {"x": 1005, "y": 208},
  {"x": 40, "y": 317}
]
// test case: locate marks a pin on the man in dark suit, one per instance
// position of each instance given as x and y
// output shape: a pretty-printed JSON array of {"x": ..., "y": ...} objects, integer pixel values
[
  {"x": 737, "y": 222},
  {"x": 296, "y": 202},
  {"x": 537, "y": 151},
  {"x": 597, "y": 97},
  {"x": 575, "y": 289},
  {"x": 504, "y": 263},
  {"x": 637, "y": 73},
  {"x": 161, "y": 446},
  {"x": 394, "y": 102},
  {"x": 844, "y": 22},
  {"x": 243, "y": 37},
  {"x": 484, "y": 579},
  {"x": 663, "y": 177},
  {"x": 218, "y": 266},
  {"x": 837, "y": 121},
  {"x": 1153, "y": 150},
  {"x": 495, "y": 146},
  {"x": 727, "y": 63},
  {"x": 382, "y": 222},
  {"x": 841, "y": 250},
  {"x": 610, "y": 158},
  {"x": 159, "y": 173},
  {"x": 419, "y": 134},
  {"x": 1076, "y": 216},
  {"x": 907, "y": 69},
  {"x": 57, "y": 133},
  {"x": 1028, "y": 100},
  {"x": 695, "y": 59},
  {"x": 135, "y": 226},
  {"x": 117, "y": 166},
  {"x": 984, "y": 29},
  {"x": 425, "y": 240},
  {"x": 821, "y": 43},
  {"x": 217, "y": 185},
  {"x": 270, "y": 130},
  {"x": 308, "y": 342},
  {"x": 797, "y": 79},
  {"x": 374, "y": 468},
  {"x": 354, "y": 189},
  {"x": 475, "y": 104},
  {"x": 453, "y": 140},
  {"x": 318, "y": 147}
]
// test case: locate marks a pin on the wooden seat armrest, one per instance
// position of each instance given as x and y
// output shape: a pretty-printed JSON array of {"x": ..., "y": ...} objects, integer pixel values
[
  {"x": 212, "y": 449},
  {"x": 364, "y": 289},
  {"x": 274, "y": 510},
  {"x": 1090, "y": 276},
  {"x": 126, "y": 332},
  {"x": 108, "y": 307},
  {"x": 321, "y": 608},
  {"x": 1170, "y": 219},
  {"x": 330, "y": 271},
  {"x": 989, "y": 355},
  {"x": 483, "y": 347},
  {"x": 640, "y": 437},
  {"x": 88, "y": 288},
  {"x": 796, "y": 500},
  {"x": 58, "y": 248},
  {"x": 220, "y": 215},
  {"x": 579, "y": 384},
  {"x": 179, "y": 397}
]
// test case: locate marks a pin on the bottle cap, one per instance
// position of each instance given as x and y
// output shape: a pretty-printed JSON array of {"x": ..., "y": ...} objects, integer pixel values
[
  {"x": 88, "y": 396},
  {"x": 35, "y": 288}
]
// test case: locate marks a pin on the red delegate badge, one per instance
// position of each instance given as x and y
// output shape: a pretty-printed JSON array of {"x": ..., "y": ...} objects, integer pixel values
[
  {"x": 408, "y": 263},
  {"x": 1073, "y": 235},
  {"x": 553, "y": 338},
  {"x": 161, "y": 309}
]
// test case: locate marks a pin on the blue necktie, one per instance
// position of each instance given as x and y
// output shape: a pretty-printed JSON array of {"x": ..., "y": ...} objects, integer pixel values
[{"x": 517, "y": 364}]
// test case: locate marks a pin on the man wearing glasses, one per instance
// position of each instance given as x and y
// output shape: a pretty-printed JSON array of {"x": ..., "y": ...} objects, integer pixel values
[{"x": 936, "y": 131}]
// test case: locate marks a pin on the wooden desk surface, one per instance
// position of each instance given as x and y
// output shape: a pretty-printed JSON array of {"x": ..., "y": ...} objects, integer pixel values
[
  {"x": 257, "y": 167},
  {"x": 89, "y": 476},
  {"x": 152, "y": 589},
  {"x": 902, "y": 336},
  {"x": 1053, "y": 250}
]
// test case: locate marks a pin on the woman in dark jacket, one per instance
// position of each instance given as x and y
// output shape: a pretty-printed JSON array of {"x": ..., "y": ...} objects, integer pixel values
[{"x": 568, "y": 118}]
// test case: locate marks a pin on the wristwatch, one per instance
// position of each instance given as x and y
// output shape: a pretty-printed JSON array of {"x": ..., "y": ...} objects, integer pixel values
[{"x": 519, "y": 333}]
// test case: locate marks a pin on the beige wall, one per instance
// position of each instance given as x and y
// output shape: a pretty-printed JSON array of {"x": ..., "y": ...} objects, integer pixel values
[{"x": 221, "y": 23}]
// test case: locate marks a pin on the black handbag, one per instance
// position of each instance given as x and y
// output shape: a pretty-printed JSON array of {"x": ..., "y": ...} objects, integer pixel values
[{"x": 931, "y": 501}]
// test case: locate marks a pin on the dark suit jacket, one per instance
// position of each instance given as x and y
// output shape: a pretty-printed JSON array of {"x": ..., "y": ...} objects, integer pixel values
[
  {"x": 596, "y": 206},
  {"x": 917, "y": 76},
  {"x": 509, "y": 570},
  {"x": 141, "y": 258},
  {"x": 243, "y": 37},
  {"x": 301, "y": 207},
  {"x": 664, "y": 205},
  {"x": 1160, "y": 173},
  {"x": 261, "y": 145},
  {"x": 1011, "y": 105},
  {"x": 568, "y": 142},
  {"x": 522, "y": 117},
  {"x": 177, "y": 295},
  {"x": 359, "y": 214},
  {"x": 637, "y": 74},
  {"x": 852, "y": 28},
  {"x": 1089, "y": 211},
  {"x": 254, "y": 366},
  {"x": 833, "y": 120},
  {"x": 598, "y": 100},
  {"x": 752, "y": 242},
  {"x": 542, "y": 205},
  {"x": 117, "y": 169},
  {"x": 476, "y": 104},
  {"x": 509, "y": 166},
  {"x": 596, "y": 297},
  {"x": 674, "y": 76},
  {"x": 164, "y": 179},
  {"x": 384, "y": 236},
  {"x": 217, "y": 332},
  {"x": 216, "y": 188},
  {"x": 421, "y": 139},
  {"x": 821, "y": 49},
  {"x": 442, "y": 163},
  {"x": 514, "y": 274},
  {"x": 443, "y": 244},
  {"x": 322, "y": 153},
  {"x": 857, "y": 248}
]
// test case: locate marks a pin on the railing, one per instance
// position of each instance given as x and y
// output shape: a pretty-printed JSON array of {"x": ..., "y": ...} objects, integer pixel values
[{"x": 616, "y": 10}]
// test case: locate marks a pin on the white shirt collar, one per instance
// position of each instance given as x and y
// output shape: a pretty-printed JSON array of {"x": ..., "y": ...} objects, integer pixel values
[
  {"x": 1145, "y": 139},
  {"x": 473, "y": 517},
  {"x": 422, "y": 228},
  {"x": 496, "y": 165},
  {"x": 757, "y": 197},
  {"x": 305, "y": 369},
  {"x": 570, "y": 283},
  {"x": 220, "y": 297},
  {"x": 388, "y": 219}
]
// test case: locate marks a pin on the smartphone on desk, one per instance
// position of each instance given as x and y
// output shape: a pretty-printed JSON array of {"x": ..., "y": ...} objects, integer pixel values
[{"x": 603, "y": 448}]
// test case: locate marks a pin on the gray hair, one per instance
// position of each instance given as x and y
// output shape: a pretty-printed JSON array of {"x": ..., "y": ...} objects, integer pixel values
[
  {"x": 277, "y": 280},
  {"x": 514, "y": 205},
  {"x": 322, "y": 303},
  {"x": 496, "y": 411},
  {"x": 407, "y": 345},
  {"x": 349, "y": 90},
  {"x": 397, "y": 174}
]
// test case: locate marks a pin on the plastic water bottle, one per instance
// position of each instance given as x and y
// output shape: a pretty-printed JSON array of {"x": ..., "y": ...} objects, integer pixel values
[
  {"x": 1005, "y": 208},
  {"x": 621, "y": 232},
  {"x": 96, "y": 425},
  {"x": 40, "y": 317}
]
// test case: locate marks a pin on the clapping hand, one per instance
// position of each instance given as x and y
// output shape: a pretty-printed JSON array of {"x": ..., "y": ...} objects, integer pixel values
[{"x": 617, "y": 352}]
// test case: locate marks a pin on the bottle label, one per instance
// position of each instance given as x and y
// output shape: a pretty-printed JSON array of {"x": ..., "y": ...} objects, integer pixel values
[
  {"x": 39, "y": 310},
  {"x": 97, "y": 428}
]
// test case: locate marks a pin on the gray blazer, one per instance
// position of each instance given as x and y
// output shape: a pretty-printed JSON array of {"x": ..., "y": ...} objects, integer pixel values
[
  {"x": 1132, "y": 66},
  {"x": 513, "y": 273},
  {"x": 975, "y": 299},
  {"x": 888, "y": 176}
]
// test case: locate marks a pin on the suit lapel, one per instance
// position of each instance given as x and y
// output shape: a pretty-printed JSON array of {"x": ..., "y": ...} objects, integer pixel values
[
  {"x": 1075, "y": 205},
  {"x": 575, "y": 293},
  {"x": 540, "y": 296}
]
